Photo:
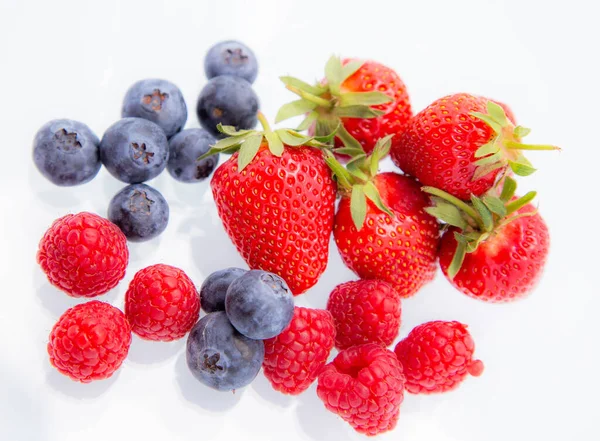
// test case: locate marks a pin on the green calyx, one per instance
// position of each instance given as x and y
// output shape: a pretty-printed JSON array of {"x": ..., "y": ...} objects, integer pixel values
[
  {"x": 478, "y": 219},
  {"x": 248, "y": 142},
  {"x": 505, "y": 148},
  {"x": 324, "y": 104},
  {"x": 356, "y": 179}
]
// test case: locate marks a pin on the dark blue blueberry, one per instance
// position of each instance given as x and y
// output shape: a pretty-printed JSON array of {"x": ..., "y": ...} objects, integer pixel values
[
  {"x": 184, "y": 150},
  {"x": 66, "y": 152},
  {"x": 229, "y": 101},
  {"x": 214, "y": 288},
  {"x": 219, "y": 356},
  {"x": 259, "y": 304},
  {"x": 134, "y": 150},
  {"x": 231, "y": 58},
  {"x": 158, "y": 101},
  {"x": 140, "y": 211}
]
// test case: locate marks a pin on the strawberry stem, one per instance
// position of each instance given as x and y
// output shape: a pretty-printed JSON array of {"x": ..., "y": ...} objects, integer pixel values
[
  {"x": 263, "y": 122},
  {"x": 513, "y": 145}
]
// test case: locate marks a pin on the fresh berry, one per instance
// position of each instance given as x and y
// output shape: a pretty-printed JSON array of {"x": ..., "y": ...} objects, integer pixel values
[
  {"x": 295, "y": 357},
  {"x": 214, "y": 288},
  {"x": 437, "y": 356},
  {"x": 493, "y": 248},
  {"x": 161, "y": 303},
  {"x": 401, "y": 248},
  {"x": 89, "y": 341},
  {"x": 219, "y": 356},
  {"x": 140, "y": 211},
  {"x": 259, "y": 304},
  {"x": 277, "y": 204},
  {"x": 461, "y": 144},
  {"x": 185, "y": 149},
  {"x": 158, "y": 101},
  {"x": 364, "y": 311},
  {"x": 507, "y": 265},
  {"x": 229, "y": 101},
  {"x": 369, "y": 99},
  {"x": 66, "y": 152},
  {"x": 83, "y": 254},
  {"x": 134, "y": 150},
  {"x": 231, "y": 58},
  {"x": 365, "y": 386}
]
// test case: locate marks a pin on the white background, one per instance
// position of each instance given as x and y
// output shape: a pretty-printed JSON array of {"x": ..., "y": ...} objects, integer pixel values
[{"x": 63, "y": 59}]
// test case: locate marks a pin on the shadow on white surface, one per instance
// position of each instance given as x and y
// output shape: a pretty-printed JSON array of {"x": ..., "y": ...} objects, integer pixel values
[
  {"x": 201, "y": 395},
  {"x": 151, "y": 352},
  {"x": 50, "y": 194},
  {"x": 264, "y": 389},
  {"x": 74, "y": 389},
  {"x": 317, "y": 422}
]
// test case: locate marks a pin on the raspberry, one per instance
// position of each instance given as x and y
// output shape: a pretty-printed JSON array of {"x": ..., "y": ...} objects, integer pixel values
[
  {"x": 89, "y": 341},
  {"x": 295, "y": 357},
  {"x": 364, "y": 311},
  {"x": 437, "y": 356},
  {"x": 83, "y": 254},
  {"x": 365, "y": 386},
  {"x": 162, "y": 303}
]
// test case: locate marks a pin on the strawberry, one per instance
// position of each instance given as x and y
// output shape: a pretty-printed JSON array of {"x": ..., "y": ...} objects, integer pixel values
[
  {"x": 276, "y": 196},
  {"x": 462, "y": 144},
  {"x": 381, "y": 229},
  {"x": 495, "y": 247},
  {"x": 367, "y": 99}
]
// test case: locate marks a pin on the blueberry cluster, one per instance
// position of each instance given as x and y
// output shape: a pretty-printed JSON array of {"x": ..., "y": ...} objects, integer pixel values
[
  {"x": 151, "y": 137},
  {"x": 225, "y": 348}
]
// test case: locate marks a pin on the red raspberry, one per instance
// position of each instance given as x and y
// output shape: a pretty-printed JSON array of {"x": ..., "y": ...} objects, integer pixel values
[
  {"x": 89, "y": 341},
  {"x": 162, "y": 303},
  {"x": 364, "y": 311},
  {"x": 365, "y": 386},
  {"x": 295, "y": 357},
  {"x": 83, "y": 254},
  {"x": 437, "y": 356}
]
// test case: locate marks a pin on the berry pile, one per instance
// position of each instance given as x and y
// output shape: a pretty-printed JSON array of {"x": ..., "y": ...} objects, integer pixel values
[{"x": 452, "y": 204}]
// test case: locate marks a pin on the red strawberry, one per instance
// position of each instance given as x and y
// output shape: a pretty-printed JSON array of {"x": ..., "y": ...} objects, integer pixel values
[
  {"x": 381, "y": 229},
  {"x": 367, "y": 98},
  {"x": 295, "y": 357},
  {"x": 437, "y": 356},
  {"x": 461, "y": 144},
  {"x": 276, "y": 200},
  {"x": 496, "y": 247}
]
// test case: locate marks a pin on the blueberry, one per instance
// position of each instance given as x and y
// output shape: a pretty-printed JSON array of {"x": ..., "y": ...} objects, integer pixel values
[
  {"x": 158, "y": 101},
  {"x": 184, "y": 150},
  {"x": 231, "y": 58},
  {"x": 134, "y": 150},
  {"x": 214, "y": 288},
  {"x": 219, "y": 356},
  {"x": 259, "y": 304},
  {"x": 66, "y": 152},
  {"x": 229, "y": 101},
  {"x": 140, "y": 211}
]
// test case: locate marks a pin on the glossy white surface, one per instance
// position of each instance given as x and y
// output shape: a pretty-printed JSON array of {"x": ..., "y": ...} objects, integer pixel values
[{"x": 74, "y": 60}]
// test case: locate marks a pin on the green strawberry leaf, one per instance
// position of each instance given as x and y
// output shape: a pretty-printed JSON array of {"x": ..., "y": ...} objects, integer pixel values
[
  {"x": 356, "y": 112},
  {"x": 485, "y": 170},
  {"x": 248, "y": 151},
  {"x": 497, "y": 113},
  {"x": 517, "y": 204},
  {"x": 521, "y": 132},
  {"x": 350, "y": 151},
  {"x": 351, "y": 68},
  {"x": 275, "y": 144},
  {"x": 341, "y": 174},
  {"x": 492, "y": 159},
  {"x": 373, "y": 194},
  {"x": 459, "y": 256},
  {"x": 334, "y": 75},
  {"x": 447, "y": 213},
  {"x": 521, "y": 167},
  {"x": 307, "y": 122},
  {"x": 484, "y": 213},
  {"x": 381, "y": 149},
  {"x": 301, "y": 85},
  {"x": 358, "y": 206},
  {"x": 231, "y": 131},
  {"x": 349, "y": 99},
  {"x": 295, "y": 108},
  {"x": 354, "y": 167},
  {"x": 487, "y": 149},
  {"x": 508, "y": 189},
  {"x": 326, "y": 126},
  {"x": 291, "y": 137},
  {"x": 488, "y": 120},
  {"x": 495, "y": 205},
  {"x": 348, "y": 140}
]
